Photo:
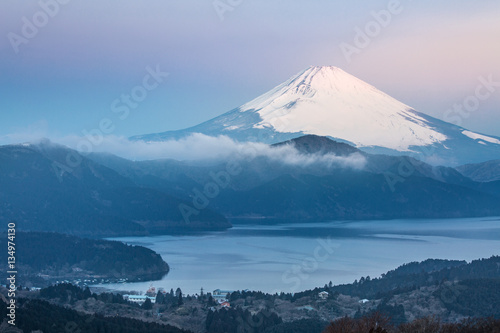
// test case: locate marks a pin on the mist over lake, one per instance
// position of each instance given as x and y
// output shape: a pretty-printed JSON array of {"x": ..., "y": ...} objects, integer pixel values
[{"x": 296, "y": 257}]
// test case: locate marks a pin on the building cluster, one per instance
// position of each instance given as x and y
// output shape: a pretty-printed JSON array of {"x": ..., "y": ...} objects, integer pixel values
[
  {"x": 139, "y": 299},
  {"x": 220, "y": 296}
]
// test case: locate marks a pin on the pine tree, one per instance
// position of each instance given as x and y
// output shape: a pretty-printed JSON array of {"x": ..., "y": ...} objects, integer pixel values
[
  {"x": 87, "y": 293},
  {"x": 160, "y": 298},
  {"x": 148, "y": 305}
]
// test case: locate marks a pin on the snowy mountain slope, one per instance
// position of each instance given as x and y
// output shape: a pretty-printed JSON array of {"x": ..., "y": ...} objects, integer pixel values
[{"x": 329, "y": 102}]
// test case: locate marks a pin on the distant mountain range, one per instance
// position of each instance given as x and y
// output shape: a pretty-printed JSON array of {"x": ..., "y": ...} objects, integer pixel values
[
  {"x": 47, "y": 187},
  {"x": 314, "y": 179},
  {"x": 380, "y": 187},
  {"x": 482, "y": 172},
  {"x": 327, "y": 101}
]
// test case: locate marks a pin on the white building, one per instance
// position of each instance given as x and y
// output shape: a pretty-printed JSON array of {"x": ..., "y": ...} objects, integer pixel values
[
  {"x": 323, "y": 295},
  {"x": 139, "y": 299},
  {"x": 220, "y": 294}
]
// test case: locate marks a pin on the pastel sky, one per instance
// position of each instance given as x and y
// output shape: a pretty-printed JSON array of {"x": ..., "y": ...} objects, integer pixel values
[{"x": 65, "y": 77}]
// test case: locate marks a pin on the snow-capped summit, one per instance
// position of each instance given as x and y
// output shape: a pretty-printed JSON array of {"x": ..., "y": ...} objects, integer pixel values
[
  {"x": 327, "y": 101},
  {"x": 330, "y": 102}
]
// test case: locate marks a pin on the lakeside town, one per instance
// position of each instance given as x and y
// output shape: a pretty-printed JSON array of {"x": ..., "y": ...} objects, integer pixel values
[{"x": 450, "y": 290}]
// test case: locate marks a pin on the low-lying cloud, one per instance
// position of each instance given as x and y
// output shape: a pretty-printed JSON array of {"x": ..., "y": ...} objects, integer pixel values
[{"x": 202, "y": 148}]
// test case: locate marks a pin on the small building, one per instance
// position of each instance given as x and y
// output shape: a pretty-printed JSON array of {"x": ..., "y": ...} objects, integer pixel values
[
  {"x": 151, "y": 291},
  {"x": 220, "y": 294},
  {"x": 363, "y": 301},
  {"x": 225, "y": 305},
  {"x": 139, "y": 299},
  {"x": 323, "y": 295}
]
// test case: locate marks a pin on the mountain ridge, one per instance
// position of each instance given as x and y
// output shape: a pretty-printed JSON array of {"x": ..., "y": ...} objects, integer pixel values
[
  {"x": 326, "y": 101},
  {"x": 88, "y": 199},
  {"x": 109, "y": 196},
  {"x": 271, "y": 189},
  {"x": 488, "y": 171}
]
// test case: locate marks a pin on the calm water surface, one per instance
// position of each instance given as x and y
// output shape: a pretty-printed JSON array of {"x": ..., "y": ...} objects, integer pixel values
[{"x": 295, "y": 257}]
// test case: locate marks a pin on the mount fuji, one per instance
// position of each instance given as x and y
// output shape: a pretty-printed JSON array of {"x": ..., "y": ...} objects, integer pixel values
[{"x": 327, "y": 101}]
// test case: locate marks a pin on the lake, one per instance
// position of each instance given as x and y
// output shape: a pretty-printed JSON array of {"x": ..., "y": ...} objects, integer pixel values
[{"x": 295, "y": 257}]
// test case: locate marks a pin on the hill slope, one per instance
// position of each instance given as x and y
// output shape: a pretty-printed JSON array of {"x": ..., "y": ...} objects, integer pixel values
[
  {"x": 40, "y": 191},
  {"x": 482, "y": 172},
  {"x": 45, "y": 258},
  {"x": 322, "y": 183}
]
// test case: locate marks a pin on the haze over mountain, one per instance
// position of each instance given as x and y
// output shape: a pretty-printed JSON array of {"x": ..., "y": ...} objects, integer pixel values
[
  {"x": 482, "y": 172},
  {"x": 48, "y": 187},
  {"x": 308, "y": 178},
  {"x": 326, "y": 101},
  {"x": 330, "y": 181}
]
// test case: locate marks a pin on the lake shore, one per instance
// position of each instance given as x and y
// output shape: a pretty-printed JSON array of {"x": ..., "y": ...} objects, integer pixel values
[{"x": 295, "y": 257}]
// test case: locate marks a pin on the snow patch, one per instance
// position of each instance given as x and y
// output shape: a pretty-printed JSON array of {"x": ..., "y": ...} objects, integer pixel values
[
  {"x": 477, "y": 136},
  {"x": 327, "y": 101},
  {"x": 231, "y": 128}
]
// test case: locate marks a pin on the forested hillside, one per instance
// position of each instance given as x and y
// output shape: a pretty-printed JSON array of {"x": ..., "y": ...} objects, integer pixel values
[{"x": 45, "y": 257}]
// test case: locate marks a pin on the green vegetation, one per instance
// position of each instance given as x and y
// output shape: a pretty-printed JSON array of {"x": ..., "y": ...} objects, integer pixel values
[
  {"x": 39, "y": 315},
  {"x": 239, "y": 320},
  {"x": 66, "y": 293},
  {"x": 299, "y": 326},
  {"x": 475, "y": 298},
  {"x": 432, "y": 296},
  {"x": 42, "y": 193},
  {"x": 63, "y": 257},
  {"x": 378, "y": 323},
  {"x": 415, "y": 275},
  {"x": 449, "y": 289}
]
